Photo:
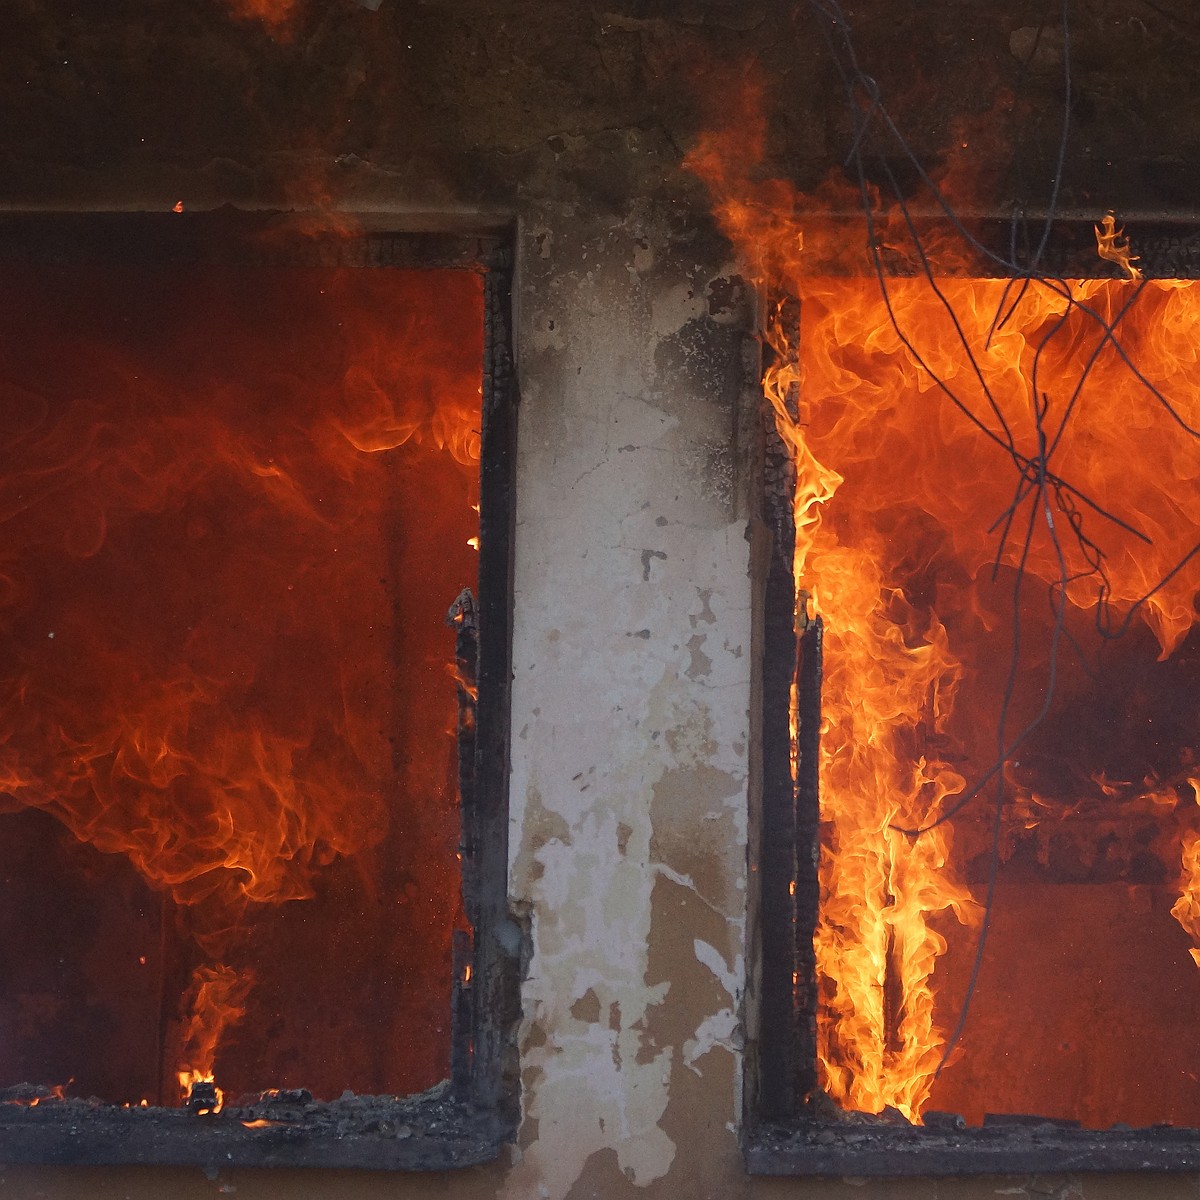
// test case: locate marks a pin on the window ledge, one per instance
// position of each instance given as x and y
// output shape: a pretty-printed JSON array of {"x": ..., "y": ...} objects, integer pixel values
[
  {"x": 428, "y": 1132},
  {"x": 1019, "y": 1148}
]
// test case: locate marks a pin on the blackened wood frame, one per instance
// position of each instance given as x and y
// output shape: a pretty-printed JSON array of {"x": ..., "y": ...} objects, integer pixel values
[
  {"x": 492, "y": 1077},
  {"x": 788, "y": 831},
  {"x": 467, "y": 1121},
  {"x": 781, "y": 1054}
]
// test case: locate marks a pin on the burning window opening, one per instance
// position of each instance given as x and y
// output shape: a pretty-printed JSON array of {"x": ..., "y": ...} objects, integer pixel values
[
  {"x": 971, "y": 910},
  {"x": 953, "y": 478},
  {"x": 973, "y": 616},
  {"x": 239, "y": 502}
]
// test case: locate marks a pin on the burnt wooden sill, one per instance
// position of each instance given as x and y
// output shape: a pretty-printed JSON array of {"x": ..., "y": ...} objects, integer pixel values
[
  {"x": 1035, "y": 1148},
  {"x": 1167, "y": 245},
  {"x": 428, "y": 1132}
]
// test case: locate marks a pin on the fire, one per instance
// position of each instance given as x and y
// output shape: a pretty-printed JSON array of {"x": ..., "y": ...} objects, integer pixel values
[
  {"x": 189, "y": 1079},
  {"x": 1113, "y": 246},
  {"x": 273, "y": 14},
  {"x": 218, "y": 1000},
  {"x": 1187, "y": 908},
  {"x": 893, "y": 546},
  {"x": 57, "y": 1091},
  {"x": 890, "y": 678},
  {"x": 913, "y": 514},
  {"x": 201, "y": 594}
]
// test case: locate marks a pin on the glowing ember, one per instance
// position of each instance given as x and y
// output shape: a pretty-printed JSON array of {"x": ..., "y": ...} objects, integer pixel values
[{"x": 56, "y": 1092}]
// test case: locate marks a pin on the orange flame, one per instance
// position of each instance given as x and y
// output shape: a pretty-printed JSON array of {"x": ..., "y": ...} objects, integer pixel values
[
  {"x": 193, "y": 586},
  {"x": 896, "y": 489},
  {"x": 916, "y": 485},
  {"x": 57, "y": 1091},
  {"x": 1113, "y": 246},
  {"x": 887, "y": 673},
  {"x": 1187, "y": 908},
  {"x": 218, "y": 1001}
]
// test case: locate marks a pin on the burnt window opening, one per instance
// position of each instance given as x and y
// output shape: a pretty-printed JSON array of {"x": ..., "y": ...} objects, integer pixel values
[
  {"x": 256, "y": 647},
  {"x": 1068, "y": 1042}
]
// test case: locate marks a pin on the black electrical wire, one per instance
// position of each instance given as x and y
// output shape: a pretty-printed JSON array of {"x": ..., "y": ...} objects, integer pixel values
[{"x": 1047, "y": 495}]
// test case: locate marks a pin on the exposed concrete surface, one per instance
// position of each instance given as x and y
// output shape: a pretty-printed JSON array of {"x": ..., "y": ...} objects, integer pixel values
[{"x": 631, "y": 681}]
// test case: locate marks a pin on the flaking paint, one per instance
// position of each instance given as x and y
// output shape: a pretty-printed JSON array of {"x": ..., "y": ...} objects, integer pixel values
[{"x": 640, "y": 750}]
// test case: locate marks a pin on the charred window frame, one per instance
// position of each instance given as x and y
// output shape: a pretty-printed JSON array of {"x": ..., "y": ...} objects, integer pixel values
[
  {"x": 468, "y": 1119},
  {"x": 782, "y": 1136}
]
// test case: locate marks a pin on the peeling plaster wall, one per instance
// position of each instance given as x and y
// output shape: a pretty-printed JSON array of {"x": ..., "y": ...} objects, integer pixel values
[{"x": 630, "y": 704}]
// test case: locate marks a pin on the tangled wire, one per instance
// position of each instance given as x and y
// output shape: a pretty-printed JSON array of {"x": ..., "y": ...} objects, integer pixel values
[{"x": 1043, "y": 502}]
